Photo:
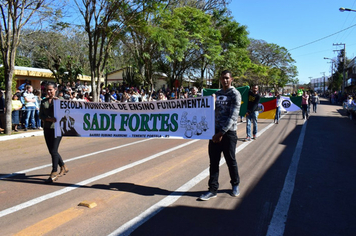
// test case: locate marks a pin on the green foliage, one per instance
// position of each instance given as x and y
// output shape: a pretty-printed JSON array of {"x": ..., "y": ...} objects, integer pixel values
[
  {"x": 2, "y": 80},
  {"x": 277, "y": 60},
  {"x": 23, "y": 61}
]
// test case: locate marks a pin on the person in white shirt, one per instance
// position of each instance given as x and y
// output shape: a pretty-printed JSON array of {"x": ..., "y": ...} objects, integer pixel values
[
  {"x": 30, "y": 107},
  {"x": 278, "y": 107}
]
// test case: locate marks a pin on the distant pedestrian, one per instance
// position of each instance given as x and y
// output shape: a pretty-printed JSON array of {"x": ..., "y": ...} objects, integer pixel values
[
  {"x": 227, "y": 103},
  {"x": 315, "y": 101},
  {"x": 47, "y": 115},
  {"x": 305, "y": 99},
  {"x": 252, "y": 113}
]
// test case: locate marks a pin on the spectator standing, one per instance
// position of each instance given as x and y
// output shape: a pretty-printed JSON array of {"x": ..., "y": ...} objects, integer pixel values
[
  {"x": 87, "y": 88},
  {"x": 30, "y": 107},
  {"x": 252, "y": 112},
  {"x": 37, "y": 111},
  {"x": 86, "y": 97},
  {"x": 227, "y": 103},
  {"x": 16, "y": 107},
  {"x": 22, "y": 87},
  {"x": 102, "y": 96},
  {"x": 52, "y": 142},
  {"x": 315, "y": 100},
  {"x": 305, "y": 99},
  {"x": 107, "y": 95},
  {"x": 194, "y": 92}
]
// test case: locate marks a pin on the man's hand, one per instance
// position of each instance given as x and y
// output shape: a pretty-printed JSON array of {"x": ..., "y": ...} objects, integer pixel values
[{"x": 217, "y": 137}]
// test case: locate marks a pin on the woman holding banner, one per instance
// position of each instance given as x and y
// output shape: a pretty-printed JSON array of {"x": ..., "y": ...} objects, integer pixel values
[{"x": 47, "y": 116}]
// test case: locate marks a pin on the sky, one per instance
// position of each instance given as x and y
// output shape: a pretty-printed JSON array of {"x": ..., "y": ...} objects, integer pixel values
[{"x": 294, "y": 23}]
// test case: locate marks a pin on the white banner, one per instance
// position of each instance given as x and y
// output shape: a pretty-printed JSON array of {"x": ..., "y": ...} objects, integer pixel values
[
  {"x": 288, "y": 105},
  {"x": 191, "y": 118}
]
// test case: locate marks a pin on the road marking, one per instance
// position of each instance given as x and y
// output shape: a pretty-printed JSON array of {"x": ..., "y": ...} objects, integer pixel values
[
  {"x": 51, "y": 223},
  {"x": 72, "y": 159},
  {"x": 279, "y": 218},
  {"x": 130, "y": 226},
  {"x": 88, "y": 181}
]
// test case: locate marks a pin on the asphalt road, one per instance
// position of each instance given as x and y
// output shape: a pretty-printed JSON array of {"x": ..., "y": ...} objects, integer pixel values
[{"x": 297, "y": 178}]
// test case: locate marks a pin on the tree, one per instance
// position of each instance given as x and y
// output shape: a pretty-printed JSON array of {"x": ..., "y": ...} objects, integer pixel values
[
  {"x": 105, "y": 23},
  {"x": 14, "y": 16},
  {"x": 336, "y": 80},
  {"x": 182, "y": 41},
  {"x": 234, "y": 42},
  {"x": 207, "y": 6},
  {"x": 142, "y": 42},
  {"x": 280, "y": 64}
]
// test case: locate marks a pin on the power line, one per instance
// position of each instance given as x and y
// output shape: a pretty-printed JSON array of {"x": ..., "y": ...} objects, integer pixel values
[{"x": 322, "y": 38}]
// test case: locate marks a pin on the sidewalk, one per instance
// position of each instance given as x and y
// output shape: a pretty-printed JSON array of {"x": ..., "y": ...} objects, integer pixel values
[{"x": 21, "y": 134}]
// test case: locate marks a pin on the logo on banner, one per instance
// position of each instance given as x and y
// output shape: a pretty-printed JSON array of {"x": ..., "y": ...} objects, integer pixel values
[
  {"x": 193, "y": 127},
  {"x": 286, "y": 104},
  {"x": 67, "y": 125},
  {"x": 260, "y": 108}
]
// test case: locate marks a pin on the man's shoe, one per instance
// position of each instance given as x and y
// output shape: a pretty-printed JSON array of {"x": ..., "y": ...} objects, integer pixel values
[
  {"x": 25, "y": 129},
  {"x": 235, "y": 191},
  {"x": 247, "y": 139},
  {"x": 255, "y": 137},
  {"x": 207, "y": 196}
]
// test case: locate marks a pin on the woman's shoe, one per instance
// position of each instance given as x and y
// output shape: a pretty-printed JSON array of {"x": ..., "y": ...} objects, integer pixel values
[
  {"x": 53, "y": 177},
  {"x": 64, "y": 170}
]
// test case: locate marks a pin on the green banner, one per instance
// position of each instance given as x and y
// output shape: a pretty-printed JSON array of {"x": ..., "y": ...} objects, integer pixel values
[{"x": 244, "y": 97}]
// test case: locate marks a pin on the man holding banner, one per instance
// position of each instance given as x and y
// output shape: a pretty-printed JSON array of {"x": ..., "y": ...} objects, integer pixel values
[{"x": 227, "y": 108}]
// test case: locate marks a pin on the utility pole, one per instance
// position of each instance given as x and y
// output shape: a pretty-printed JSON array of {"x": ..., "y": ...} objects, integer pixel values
[
  {"x": 323, "y": 81},
  {"x": 344, "y": 64}
]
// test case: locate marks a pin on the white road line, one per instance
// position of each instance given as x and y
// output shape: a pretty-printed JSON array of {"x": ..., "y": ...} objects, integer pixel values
[
  {"x": 279, "y": 218},
  {"x": 130, "y": 226},
  {"x": 72, "y": 159},
  {"x": 88, "y": 181}
]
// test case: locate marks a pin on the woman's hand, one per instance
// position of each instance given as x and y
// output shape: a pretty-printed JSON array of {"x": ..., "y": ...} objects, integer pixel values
[{"x": 52, "y": 119}]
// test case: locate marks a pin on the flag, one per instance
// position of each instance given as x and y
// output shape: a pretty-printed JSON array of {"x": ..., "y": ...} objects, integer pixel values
[
  {"x": 267, "y": 106},
  {"x": 244, "y": 97},
  {"x": 290, "y": 103}
]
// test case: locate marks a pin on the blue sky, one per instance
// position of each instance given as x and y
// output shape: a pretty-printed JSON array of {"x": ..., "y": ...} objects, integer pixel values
[{"x": 291, "y": 24}]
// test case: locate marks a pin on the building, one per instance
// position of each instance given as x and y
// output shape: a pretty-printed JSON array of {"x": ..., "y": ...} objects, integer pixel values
[
  {"x": 319, "y": 85},
  {"x": 37, "y": 75},
  {"x": 350, "y": 83}
]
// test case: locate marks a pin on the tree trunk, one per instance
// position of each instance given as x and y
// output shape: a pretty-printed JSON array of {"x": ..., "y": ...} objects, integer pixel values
[{"x": 8, "y": 101}]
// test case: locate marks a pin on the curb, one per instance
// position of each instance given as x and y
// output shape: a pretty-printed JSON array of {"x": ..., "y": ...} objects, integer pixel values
[{"x": 21, "y": 135}]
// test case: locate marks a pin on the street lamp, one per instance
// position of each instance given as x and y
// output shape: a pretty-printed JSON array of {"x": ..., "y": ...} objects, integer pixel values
[{"x": 342, "y": 9}]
